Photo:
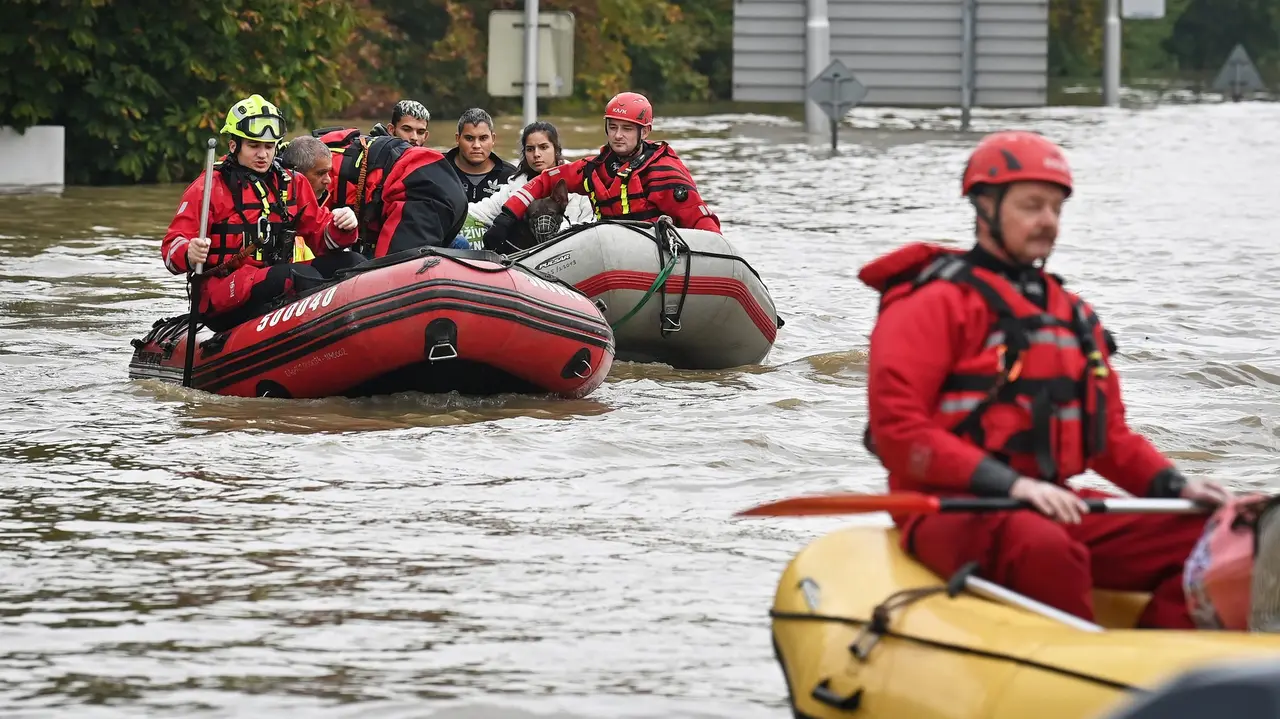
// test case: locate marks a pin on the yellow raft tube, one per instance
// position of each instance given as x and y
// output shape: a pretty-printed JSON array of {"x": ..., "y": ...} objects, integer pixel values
[{"x": 943, "y": 656}]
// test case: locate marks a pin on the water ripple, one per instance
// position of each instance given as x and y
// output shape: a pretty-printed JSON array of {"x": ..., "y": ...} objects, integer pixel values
[{"x": 172, "y": 553}]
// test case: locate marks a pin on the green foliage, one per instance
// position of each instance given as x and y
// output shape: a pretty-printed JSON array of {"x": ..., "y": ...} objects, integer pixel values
[
  {"x": 1204, "y": 35},
  {"x": 1192, "y": 40},
  {"x": 139, "y": 90},
  {"x": 436, "y": 51}
]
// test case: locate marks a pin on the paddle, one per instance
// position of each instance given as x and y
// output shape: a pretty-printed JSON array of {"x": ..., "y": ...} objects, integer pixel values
[
  {"x": 916, "y": 503},
  {"x": 193, "y": 318}
]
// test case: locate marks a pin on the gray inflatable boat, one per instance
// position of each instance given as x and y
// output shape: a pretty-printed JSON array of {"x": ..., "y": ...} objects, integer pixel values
[{"x": 680, "y": 297}]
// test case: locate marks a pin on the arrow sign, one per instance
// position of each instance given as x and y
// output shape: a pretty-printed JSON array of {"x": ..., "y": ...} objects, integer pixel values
[
  {"x": 837, "y": 91},
  {"x": 1238, "y": 75}
]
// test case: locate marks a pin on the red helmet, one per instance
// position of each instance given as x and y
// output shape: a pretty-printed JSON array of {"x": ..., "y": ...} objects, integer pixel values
[
  {"x": 1016, "y": 156},
  {"x": 630, "y": 107}
]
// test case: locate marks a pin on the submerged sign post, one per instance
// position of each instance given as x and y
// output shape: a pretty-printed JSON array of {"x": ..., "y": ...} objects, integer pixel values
[
  {"x": 836, "y": 91},
  {"x": 1238, "y": 75}
]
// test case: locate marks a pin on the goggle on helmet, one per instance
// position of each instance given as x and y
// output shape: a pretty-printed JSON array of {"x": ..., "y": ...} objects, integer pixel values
[{"x": 255, "y": 119}]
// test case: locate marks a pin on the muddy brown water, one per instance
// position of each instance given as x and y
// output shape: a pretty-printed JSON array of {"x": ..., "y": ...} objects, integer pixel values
[{"x": 165, "y": 552}]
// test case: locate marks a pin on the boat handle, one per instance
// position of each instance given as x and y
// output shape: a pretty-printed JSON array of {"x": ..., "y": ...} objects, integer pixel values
[
  {"x": 823, "y": 694},
  {"x": 447, "y": 351}
]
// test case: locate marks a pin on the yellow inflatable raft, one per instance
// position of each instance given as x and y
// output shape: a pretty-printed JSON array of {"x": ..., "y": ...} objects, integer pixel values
[{"x": 847, "y": 653}]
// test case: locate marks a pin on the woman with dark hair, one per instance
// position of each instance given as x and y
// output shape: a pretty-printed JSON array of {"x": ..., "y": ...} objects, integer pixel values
[{"x": 540, "y": 151}]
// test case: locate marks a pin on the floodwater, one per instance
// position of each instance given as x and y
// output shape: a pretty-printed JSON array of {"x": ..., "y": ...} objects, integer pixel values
[{"x": 171, "y": 553}]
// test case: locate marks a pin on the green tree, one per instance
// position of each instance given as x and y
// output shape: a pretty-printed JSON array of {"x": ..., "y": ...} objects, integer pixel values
[
  {"x": 139, "y": 90},
  {"x": 1075, "y": 37},
  {"x": 436, "y": 51},
  {"x": 1206, "y": 32}
]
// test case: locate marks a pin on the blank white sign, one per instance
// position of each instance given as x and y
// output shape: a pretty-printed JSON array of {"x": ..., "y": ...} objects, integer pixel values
[{"x": 1142, "y": 9}]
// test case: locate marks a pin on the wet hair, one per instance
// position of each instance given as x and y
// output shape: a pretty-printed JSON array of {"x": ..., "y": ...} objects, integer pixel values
[
  {"x": 412, "y": 108},
  {"x": 303, "y": 153},
  {"x": 522, "y": 167},
  {"x": 474, "y": 116}
]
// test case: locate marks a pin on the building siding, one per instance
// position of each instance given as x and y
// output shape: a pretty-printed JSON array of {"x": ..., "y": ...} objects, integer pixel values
[{"x": 907, "y": 52}]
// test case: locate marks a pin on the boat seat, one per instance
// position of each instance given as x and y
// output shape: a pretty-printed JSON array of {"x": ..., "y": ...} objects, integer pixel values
[{"x": 1118, "y": 610}]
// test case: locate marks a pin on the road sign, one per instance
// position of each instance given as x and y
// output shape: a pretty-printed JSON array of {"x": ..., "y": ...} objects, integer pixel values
[
  {"x": 1238, "y": 75},
  {"x": 1142, "y": 10},
  {"x": 506, "y": 53},
  {"x": 837, "y": 91}
]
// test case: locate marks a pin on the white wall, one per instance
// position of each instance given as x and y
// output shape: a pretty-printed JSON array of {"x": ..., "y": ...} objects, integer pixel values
[{"x": 34, "y": 161}]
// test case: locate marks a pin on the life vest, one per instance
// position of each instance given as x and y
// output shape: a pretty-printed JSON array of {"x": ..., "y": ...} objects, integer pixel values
[
  {"x": 264, "y": 215},
  {"x": 625, "y": 194},
  {"x": 1033, "y": 396},
  {"x": 360, "y": 162},
  {"x": 347, "y": 146}
]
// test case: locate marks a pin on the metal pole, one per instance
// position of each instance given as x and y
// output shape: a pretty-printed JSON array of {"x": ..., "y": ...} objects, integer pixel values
[
  {"x": 817, "y": 40},
  {"x": 968, "y": 59},
  {"x": 530, "y": 61},
  {"x": 1111, "y": 55}
]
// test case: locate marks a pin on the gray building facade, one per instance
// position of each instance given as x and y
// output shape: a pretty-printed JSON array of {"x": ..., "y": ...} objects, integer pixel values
[{"x": 906, "y": 52}]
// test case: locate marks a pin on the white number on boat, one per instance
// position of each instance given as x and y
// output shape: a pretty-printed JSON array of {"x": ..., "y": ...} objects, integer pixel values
[{"x": 297, "y": 309}]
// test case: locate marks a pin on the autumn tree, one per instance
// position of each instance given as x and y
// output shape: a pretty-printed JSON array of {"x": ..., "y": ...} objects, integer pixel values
[{"x": 436, "y": 51}]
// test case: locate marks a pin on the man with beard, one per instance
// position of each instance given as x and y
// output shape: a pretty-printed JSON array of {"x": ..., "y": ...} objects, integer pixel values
[
  {"x": 986, "y": 378},
  {"x": 479, "y": 168},
  {"x": 631, "y": 178}
]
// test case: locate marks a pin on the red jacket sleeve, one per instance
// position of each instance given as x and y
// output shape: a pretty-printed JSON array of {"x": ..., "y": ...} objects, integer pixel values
[
  {"x": 184, "y": 226},
  {"x": 1128, "y": 460},
  {"x": 914, "y": 345},
  {"x": 315, "y": 223},
  {"x": 540, "y": 186},
  {"x": 691, "y": 212},
  {"x": 670, "y": 187}
]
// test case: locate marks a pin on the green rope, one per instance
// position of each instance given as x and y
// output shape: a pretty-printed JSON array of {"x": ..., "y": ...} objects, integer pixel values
[{"x": 658, "y": 282}]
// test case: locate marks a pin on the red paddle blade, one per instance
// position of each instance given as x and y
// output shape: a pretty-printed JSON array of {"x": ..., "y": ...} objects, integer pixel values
[{"x": 898, "y": 503}]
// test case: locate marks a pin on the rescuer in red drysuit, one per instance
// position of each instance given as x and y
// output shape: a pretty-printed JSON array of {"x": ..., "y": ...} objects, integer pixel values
[
  {"x": 987, "y": 378},
  {"x": 630, "y": 178},
  {"x": 293, "y": 242}
]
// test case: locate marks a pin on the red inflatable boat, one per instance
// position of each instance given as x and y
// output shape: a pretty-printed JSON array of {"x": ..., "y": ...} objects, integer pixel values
[{"x": 427, "y": 320}]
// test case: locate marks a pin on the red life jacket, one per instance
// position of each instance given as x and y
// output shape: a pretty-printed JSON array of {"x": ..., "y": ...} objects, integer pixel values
[
  {"x": 347, "y": 146},
  {"x": 360, "y": 163},
  {"x": 625, "y": 195},
  {"x": 1033, "y": 395},
  {"x": 264, "y": 213}
]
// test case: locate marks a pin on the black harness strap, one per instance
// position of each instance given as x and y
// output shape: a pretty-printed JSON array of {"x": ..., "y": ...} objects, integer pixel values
[
  {"x": 349, "y": 173},
  {"x": 263, "y": 234}
]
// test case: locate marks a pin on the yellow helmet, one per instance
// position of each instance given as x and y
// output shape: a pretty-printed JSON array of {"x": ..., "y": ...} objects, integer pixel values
[{"x": 255, "y": 119}]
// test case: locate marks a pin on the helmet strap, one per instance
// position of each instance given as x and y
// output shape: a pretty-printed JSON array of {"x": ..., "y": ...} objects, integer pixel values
[{"x": 993, "y": 225}]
